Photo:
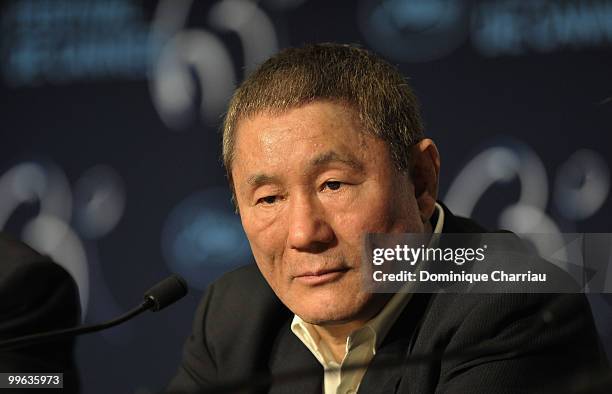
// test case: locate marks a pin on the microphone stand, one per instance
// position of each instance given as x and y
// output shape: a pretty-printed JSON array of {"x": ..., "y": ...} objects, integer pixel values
[
  {"x": 164, "y": 293},
  {"x": 67, "y": 332}
]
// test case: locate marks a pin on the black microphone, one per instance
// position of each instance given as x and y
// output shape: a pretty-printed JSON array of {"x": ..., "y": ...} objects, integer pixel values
[{"x": 166, "y": 292}]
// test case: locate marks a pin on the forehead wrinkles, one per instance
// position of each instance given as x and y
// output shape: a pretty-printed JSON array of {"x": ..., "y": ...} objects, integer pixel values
[{"x": 275, "y": 131}]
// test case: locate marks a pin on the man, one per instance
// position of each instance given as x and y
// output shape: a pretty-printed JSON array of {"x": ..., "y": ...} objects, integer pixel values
[{"x": 322, "y": 145}]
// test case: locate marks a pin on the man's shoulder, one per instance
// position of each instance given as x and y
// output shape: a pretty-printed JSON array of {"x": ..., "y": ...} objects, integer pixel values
[
  {"x": 235, "y": 325},
  {"x": 475, "y": 312},
  {"x": 540, "y": 308},
  {"x": 459, "y": 224},
  {"x": 247, "y": 273},
  {"x": 245, "y": 282},
  {"x": 237, "y": 297}
]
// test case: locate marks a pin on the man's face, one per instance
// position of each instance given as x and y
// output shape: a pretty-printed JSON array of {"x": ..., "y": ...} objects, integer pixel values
[{"x": 309, "y": 184}]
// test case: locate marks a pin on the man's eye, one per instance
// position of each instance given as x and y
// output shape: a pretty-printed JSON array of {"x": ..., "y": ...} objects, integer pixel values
[
  {"x": 267, "y": 200},
  {"x": 333, "y": 185}
]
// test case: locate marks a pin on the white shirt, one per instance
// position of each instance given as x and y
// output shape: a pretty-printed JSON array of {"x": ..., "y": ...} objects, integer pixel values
[{"x": 361, "y": 345}]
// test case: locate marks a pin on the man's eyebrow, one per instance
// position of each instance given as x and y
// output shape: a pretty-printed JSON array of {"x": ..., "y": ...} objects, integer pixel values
[
  {"x": 320, "y": 160},
  {"x": 333, "y": 156},
  {"x": 260, "y": 179}
]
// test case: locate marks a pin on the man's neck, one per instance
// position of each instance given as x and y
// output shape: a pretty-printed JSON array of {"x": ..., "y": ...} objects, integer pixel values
[{"x": 334, "y": 336}]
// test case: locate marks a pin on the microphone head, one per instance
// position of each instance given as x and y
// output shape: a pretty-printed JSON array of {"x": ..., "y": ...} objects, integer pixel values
[{"x": 166, "y": 292}]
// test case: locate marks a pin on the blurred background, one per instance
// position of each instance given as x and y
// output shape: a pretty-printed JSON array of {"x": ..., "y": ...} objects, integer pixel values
[{"x": 109, "y": 135}]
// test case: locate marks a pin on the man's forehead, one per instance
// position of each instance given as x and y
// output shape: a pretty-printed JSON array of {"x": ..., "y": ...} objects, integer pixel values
[
  {"x": 270, "y": 141},
  {"x": 321, "y": 118}
]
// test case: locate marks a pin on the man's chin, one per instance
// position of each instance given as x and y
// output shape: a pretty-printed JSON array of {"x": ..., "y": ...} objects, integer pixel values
[
  {"x": 332, "y": 309},
  {"x": 326, "y": 319},
  {"x": 329, "y": 311}
]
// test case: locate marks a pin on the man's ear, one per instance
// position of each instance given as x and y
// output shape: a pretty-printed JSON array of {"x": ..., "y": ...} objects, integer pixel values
[{"x": 424, "y": 171}]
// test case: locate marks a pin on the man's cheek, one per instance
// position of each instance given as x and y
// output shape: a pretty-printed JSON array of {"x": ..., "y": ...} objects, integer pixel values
[{"x": 264, "y": 244}]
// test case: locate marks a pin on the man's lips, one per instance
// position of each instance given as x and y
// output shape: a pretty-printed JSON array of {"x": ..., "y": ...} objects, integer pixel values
[{"x": 319, "y": 277}]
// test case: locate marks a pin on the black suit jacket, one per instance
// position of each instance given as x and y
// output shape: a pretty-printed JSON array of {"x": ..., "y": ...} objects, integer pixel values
[
  {"x": 36, "y": 295},
  {"x": 241, "y": 329}
]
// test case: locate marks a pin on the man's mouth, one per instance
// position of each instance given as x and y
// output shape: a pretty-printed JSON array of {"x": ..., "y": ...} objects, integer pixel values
[{"x": 322, "y": 276}]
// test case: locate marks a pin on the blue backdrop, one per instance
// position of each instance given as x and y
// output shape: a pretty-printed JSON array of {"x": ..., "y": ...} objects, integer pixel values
[{"x": 109, "y": 143}]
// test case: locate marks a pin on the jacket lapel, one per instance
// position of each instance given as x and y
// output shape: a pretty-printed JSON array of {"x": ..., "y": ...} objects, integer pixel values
[
  {"x": 290, "y": 356},
  {"x": 395, "y": 349}
]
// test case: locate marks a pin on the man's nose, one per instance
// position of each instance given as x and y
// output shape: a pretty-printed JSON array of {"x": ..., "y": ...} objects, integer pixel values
[{"x": 308, "y": 228}]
